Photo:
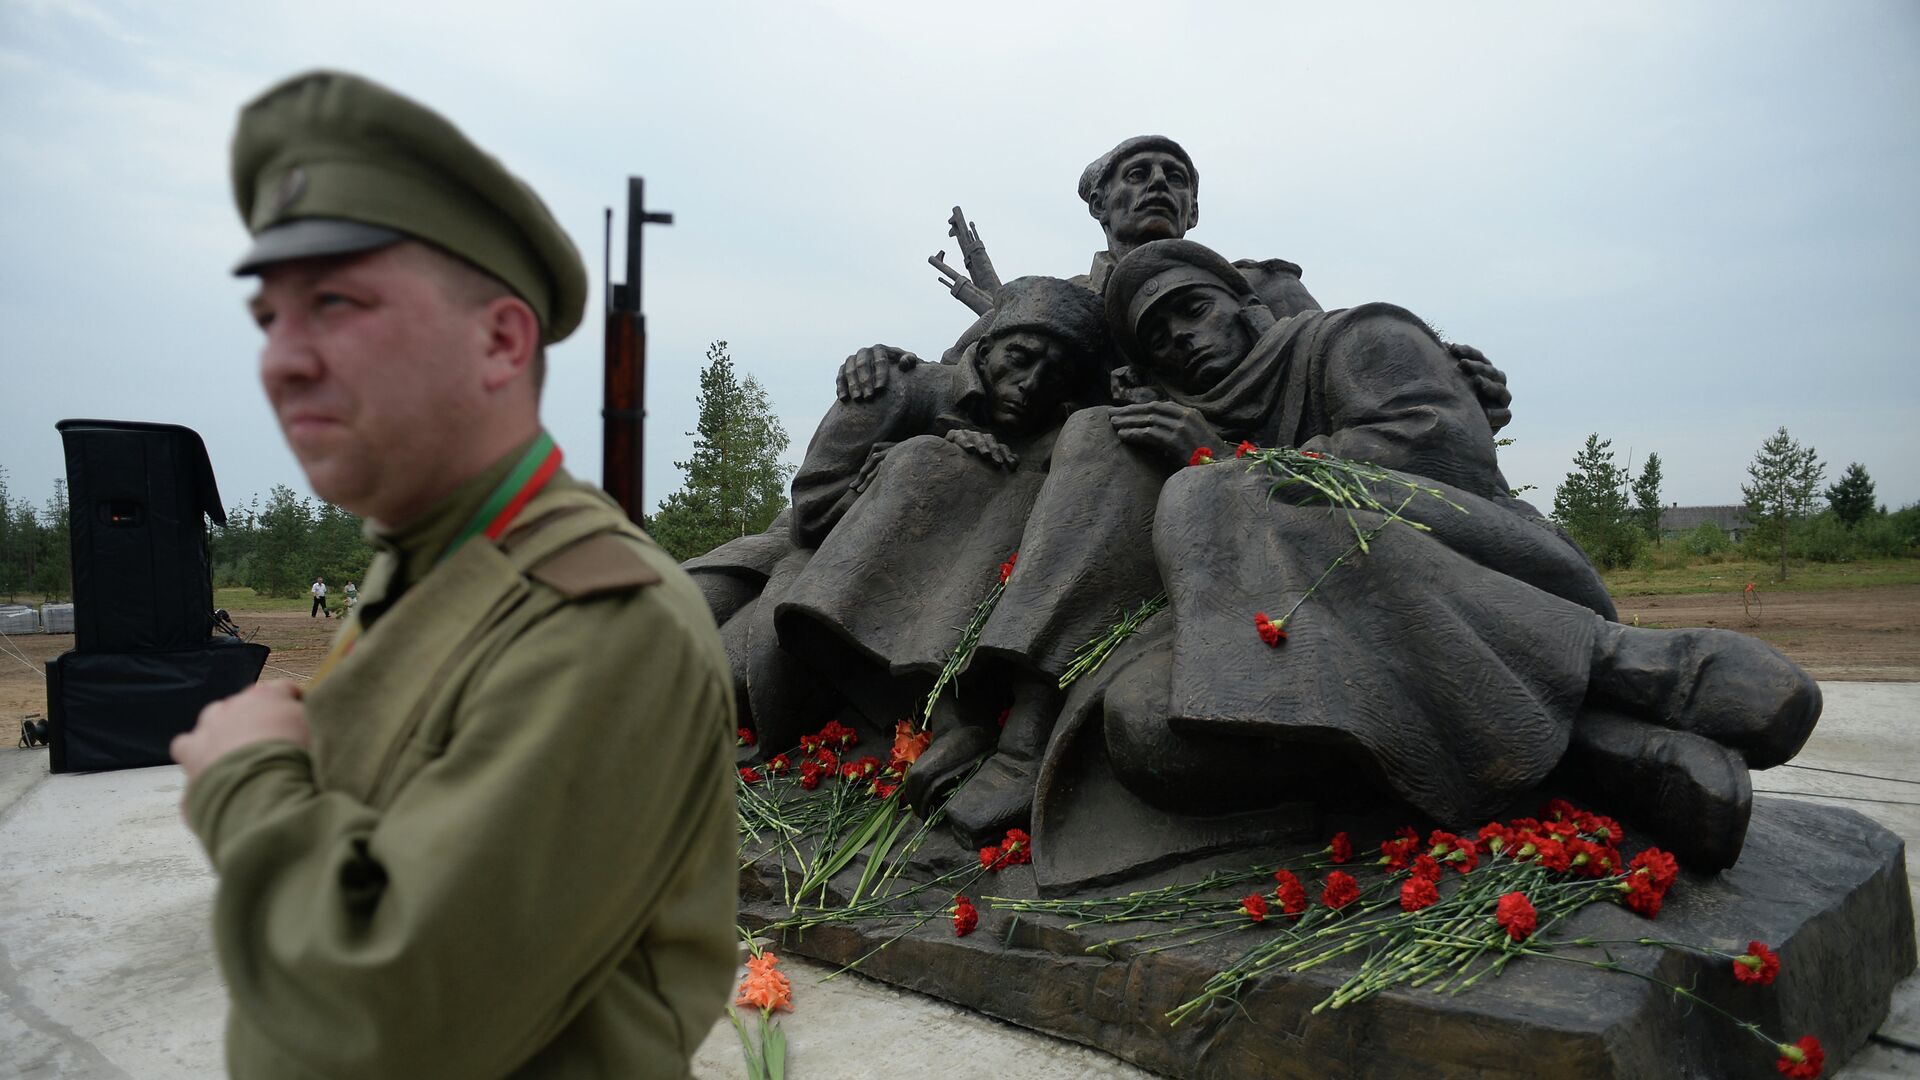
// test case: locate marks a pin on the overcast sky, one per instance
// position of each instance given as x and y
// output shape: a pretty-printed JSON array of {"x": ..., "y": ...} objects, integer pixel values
[{"x": 1679, "y": 225}]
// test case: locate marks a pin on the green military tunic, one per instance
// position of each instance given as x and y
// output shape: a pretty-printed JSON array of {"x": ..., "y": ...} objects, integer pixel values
[{"x": 510, "y": 851}]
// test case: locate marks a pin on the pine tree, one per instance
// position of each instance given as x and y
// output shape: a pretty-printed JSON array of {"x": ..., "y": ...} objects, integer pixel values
[
  {"x": 735, "y": 483},
  {"x": 1851, "y": 497},
  {"x": 1646, "y": 498},
  {"x": 1591, "y": 504},
  {"x": 1786, "y": 480},
  {"x": 53, "y": 564}
]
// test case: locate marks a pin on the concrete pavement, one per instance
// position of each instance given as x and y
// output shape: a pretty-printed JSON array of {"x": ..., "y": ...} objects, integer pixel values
[{"x": 106, "y": 968}]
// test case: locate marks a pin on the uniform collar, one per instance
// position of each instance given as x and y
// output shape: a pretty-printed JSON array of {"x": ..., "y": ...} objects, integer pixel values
[{"x": 421, "y": 543}]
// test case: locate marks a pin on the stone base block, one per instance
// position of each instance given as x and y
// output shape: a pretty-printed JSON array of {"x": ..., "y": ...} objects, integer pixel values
[{"x": 1825, "y": 887}]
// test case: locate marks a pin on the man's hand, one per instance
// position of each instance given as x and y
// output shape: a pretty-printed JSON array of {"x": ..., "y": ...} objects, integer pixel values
[
  {"x": 864, "y": 374},
  {"x": 264, "y": 712},
  {"x": 1489, "y": 384},
  {"x": 985, "y": 445},
  {"x": 1126, "y": 388},
  {"x": 864, "y": 478},
  {"x": 1167, "y": 430}
]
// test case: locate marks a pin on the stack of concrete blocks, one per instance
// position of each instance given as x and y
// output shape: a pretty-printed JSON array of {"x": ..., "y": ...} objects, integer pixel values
[
  {"x": 18, "y": 619},
  {"x": 56, "y": 618}
]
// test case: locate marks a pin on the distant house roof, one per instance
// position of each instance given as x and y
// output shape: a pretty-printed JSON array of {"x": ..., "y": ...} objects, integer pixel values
[{"x": 1678, "y": 519}]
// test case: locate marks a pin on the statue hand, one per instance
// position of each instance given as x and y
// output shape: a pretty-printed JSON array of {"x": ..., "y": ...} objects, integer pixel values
[
  {"x": 985, "y": 445},
  {"x": 1167, "y": 430},
  {"x": 870, "y": 467},
  {"x": 1489, "y": 384},
  {"x": 1127, "y": 389},
  {"x": 864, "y": 374}
]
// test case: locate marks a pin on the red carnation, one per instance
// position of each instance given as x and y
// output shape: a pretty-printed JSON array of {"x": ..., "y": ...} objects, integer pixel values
[
  {"x": 1201, "y": 456},
  {"x": 1553, "y": 854},
  {"x": 1017, "y": 847},
  {"x": 1268, "y": 630},
  {"x": 864, "y": 769},
  {"x": 1759, "y": 965},
  {"x": 1417, "y": 893},
  {"x": 1311, "y": 454},
  {"x": 810, "y": 774},
  {"x": 1465, "y": 855},
  {"x": 1426, "y": 866},
  {"x": 1495, "y": 837},
  {"x": 1341, "y": 849},
  {"x": 743, "y": 737},
  {"x": 992, "y": 858},
  {"x": 1558, "y": 810},
  {"x": 1659, "y": 865},
  {"x": 1802, "y": 1060},
  {"x": 1254, "y": 907},
  {"x": 1292, "y": 894},
  {"x": 1644, "y": 896},
  {"x": 1341, "y": 890},
  {"x": 1515, "y": 912},
  {"x": 1001, "y": 720},
  {"x": 1006, "y": 568},
  {"x": 884, "y": 789},
  {"x": 965, "y": 916},
  {"x": 1244, "y": 449},
  {"x": 1395, "y": 853},
  {"x": 779, "y": 764},
  {"x": 826, "y": 759},
  {"x": 749, "y": 775}
]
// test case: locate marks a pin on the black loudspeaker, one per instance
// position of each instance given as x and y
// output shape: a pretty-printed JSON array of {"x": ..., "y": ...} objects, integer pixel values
[
  {"x": 120, "y": 710},
  {"x": 138, "y": 498},
  {"x": 144, "y": 662}
]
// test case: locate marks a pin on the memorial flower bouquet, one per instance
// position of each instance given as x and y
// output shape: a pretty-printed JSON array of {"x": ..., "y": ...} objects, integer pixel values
[{"x": 1440, "y": 913}]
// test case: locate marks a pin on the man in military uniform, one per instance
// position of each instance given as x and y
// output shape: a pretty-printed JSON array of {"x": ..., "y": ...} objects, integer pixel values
[{"x": 494, "y": 834}]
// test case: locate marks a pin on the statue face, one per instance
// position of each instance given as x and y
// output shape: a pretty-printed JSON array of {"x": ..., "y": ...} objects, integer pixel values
[
  {"x": 1196, "y": 337},
  {"x": 1026, "y": 376},
  {"x": 1149, "y": 197}
]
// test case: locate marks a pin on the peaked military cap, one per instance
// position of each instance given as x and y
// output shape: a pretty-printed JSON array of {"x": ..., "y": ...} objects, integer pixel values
[
  {"x": 1156, "y": 270},
  {"x": 328, "y": 163},
  {"x": 1097, "y": 171}
]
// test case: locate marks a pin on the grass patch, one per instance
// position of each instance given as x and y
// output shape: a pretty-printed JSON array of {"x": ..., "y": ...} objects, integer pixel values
[{"x": 1671, "y": 572}]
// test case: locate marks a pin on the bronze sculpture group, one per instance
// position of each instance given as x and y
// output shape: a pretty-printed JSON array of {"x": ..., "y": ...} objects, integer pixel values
[{"x": 1461, "y": 652}]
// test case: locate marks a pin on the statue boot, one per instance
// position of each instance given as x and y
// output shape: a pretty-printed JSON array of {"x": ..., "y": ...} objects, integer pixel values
[
  {"x": 1731, "y": 688},
  {"x": 1000, "y": 796},
  {"x": 1692, "y": 794}
]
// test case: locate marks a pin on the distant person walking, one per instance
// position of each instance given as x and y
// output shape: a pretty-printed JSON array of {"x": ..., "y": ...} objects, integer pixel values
[
  {"x": 319, "y": 598},
  {"x": 353, "y": 597}
]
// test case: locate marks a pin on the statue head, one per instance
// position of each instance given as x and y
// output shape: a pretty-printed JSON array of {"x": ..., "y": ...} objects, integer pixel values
[
  {"x": 1184, "y": 313},
  {"x": 1144, "y": 189},
  {"x": 1043, "y": 354}
]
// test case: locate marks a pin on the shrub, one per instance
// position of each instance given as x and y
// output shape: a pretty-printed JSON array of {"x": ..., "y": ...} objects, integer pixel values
[{"x": 1705, "y": 538}]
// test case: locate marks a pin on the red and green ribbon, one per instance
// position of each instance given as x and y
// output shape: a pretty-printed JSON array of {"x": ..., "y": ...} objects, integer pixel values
[{"x": 529, "y": 475}]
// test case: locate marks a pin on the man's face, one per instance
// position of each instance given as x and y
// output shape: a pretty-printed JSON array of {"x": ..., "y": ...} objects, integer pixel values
[
  {"x": 1149, "y": 197},
  {"x": 371, "y": 367},
  {"x": 1027, "y": 378},
  {"x": 1196, "y": 337}
]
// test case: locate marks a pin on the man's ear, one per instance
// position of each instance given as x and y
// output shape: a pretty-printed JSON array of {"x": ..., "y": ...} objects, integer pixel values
[
  {"x": 512, "y": 340},
  {"x": 1193, "y": 217},
  {"x": 1097, "y": 205}
]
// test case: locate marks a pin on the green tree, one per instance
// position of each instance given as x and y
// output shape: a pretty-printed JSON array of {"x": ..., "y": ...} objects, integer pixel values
[
  {"x": 282, "y": 563},
  {"x": 53, "y": 573},
  {"x": 1851, "y": 497},
  {"x": 1591, "y": 504},
  {"x": 1646, "y": 498},
  {"x": 9, "y": 539},
  {"x": 734, "y": 482},
  {"x": 1786, "y": 479}
]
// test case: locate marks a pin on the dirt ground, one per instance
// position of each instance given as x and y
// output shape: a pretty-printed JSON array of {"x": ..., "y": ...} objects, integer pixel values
[
  {"x": 1864, "y": 635},
  {"x": 298, "y": 644},
  {"x": 1860, "y": 635}
]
